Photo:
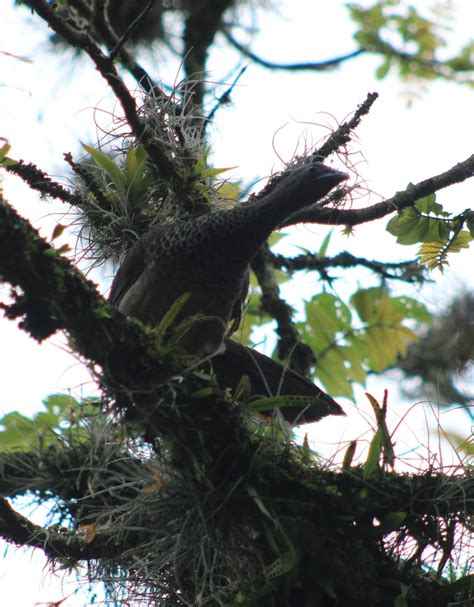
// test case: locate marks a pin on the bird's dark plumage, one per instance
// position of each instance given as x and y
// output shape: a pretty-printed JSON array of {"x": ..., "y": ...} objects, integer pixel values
[
  {"x": 208, "y": 258},
  {"x": 268, "y": 377}
]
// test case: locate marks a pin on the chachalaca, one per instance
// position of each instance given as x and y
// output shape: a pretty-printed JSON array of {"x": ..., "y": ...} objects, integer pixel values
[{"x": 208, "y": 258}]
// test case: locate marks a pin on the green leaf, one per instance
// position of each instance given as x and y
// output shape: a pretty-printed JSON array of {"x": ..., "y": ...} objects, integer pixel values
[
  {"x": 404, "y": 222},
  {"x": 383, "y": 345},
  {"x": 260, "y": 505},
  {"x": 367, "y": 302},
  {"x": 349, "y": 456},
  {"x": 169, "y": 317},
  {"x": 407, "y": 307},
  {"x": 285, "y": 563},
  {"x": 106, "y": 163},
  {"x": 279, "y": 402},
  {"x": 328, "y": 315},
  {"x": 383, "y": 70},
  {"x": 4, "y": 151},
  {"x": 58, "y": 230},
  {"x": 229, "y": 190},
  {"x": 371, "y": 464},
  {"x": 5, "y": 161},
  {"x": 325, "y": 244},
  {"x": 331, "y": 371},
  {"x": 428, "y": 204},
  {"x": 414, "y": 224},
  {"x": 392, "y": 521},
  {"x": 354, "y": 357}
]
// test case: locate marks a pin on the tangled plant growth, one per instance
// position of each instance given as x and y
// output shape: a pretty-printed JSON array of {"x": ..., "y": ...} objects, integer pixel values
[{"x": 169, "y": 486}]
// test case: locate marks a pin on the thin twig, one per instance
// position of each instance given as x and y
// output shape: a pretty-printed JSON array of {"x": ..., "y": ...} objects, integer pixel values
[
  {"x": 40, "y": 181},
  {"x": 407, "y": 271},
  {"x": 326, "y": 65},
  {"x": 225, "y": 97},
  {"x": 342, "y": 134},
  {"x": 130, "y": 29}
]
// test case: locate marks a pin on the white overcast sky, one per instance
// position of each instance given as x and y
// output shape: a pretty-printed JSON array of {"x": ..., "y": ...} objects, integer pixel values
[{"x": 46, "y": 108}]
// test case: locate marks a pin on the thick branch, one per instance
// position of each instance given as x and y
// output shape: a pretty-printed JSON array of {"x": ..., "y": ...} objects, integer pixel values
[
  {"x": 56, "y": 296},
  {"x": 17, "y": 529},
  {"x": 333, "y": 498},
  {"x": 201, "y": 25}
]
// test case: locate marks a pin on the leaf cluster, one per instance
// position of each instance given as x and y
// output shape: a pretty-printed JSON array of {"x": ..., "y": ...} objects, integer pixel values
[
  {"x": 440, "y": 232},
  {"x": 368, "y": 335},
  {"x": 408, "y": 41},
  {"x": 62, "y": 419}
]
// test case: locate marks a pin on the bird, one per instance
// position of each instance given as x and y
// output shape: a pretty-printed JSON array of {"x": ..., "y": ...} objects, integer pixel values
[{"x": 207, "y": 259}]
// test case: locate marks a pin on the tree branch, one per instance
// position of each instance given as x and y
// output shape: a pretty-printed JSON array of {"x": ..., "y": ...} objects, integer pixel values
[
  {"x": 203, "y": 21},
  {"x": 320, "y": 66},
  {"x": 56, "y": 296},
  {"x": 225, "y": 97},
  {"x": 118, "y": 47},
  {"x": 110, "y": 40},
  {"x": 17, "y": 529},
  {"x": 300, "y": 356},
  {"x": 401, "y": 200},
  {"x": 42, "y": 182},
  {"x": 342, "y": 134},
  {"x": 407, "y": 271},
  {"x": 105, "y": 66}
]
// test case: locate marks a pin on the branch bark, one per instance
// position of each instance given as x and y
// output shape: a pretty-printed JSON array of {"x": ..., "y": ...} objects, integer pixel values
[
  {"x": 401, "y": 200},
  {"x": 105, "y": 66}
]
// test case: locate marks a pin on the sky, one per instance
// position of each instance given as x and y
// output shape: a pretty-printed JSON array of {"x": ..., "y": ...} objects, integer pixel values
[{"x": 48, "y": 106}]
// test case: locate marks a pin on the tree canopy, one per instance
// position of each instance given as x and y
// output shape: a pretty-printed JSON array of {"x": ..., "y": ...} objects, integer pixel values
[{"x": 173, "y": 488}]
